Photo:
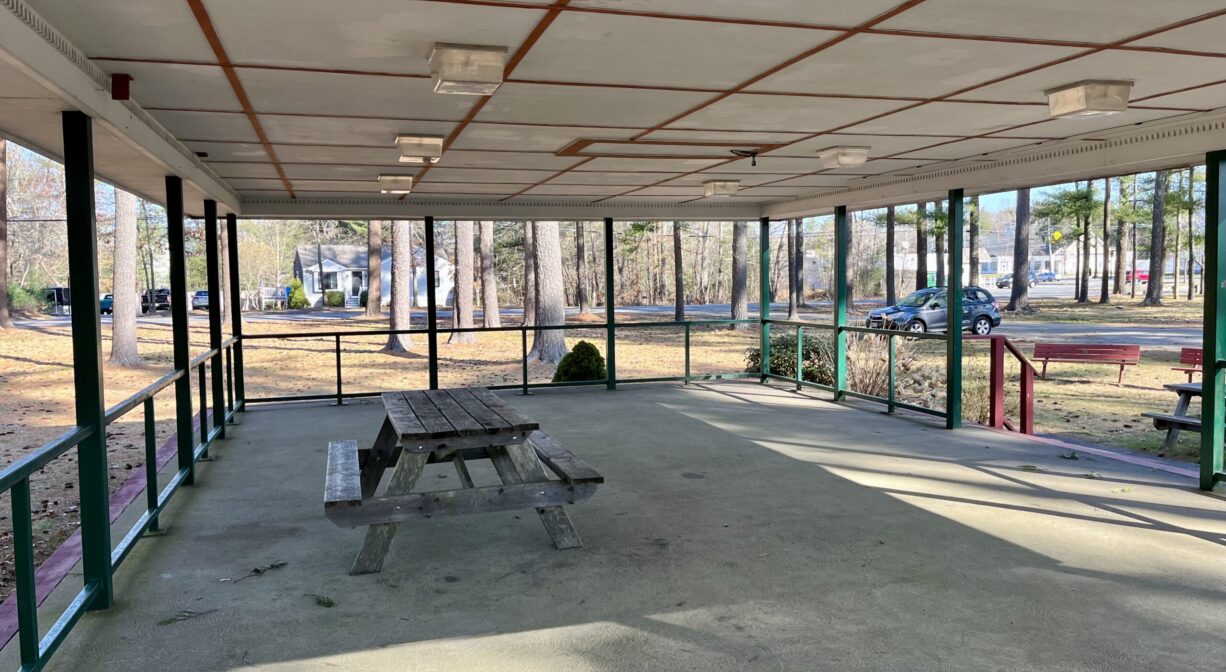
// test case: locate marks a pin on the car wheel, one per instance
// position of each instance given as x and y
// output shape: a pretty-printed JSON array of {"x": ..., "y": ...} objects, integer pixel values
[
  {"x": 916, "y": 326},
  {"x": 982, "y": 326},
  {"x": 1032, "y": 284}
]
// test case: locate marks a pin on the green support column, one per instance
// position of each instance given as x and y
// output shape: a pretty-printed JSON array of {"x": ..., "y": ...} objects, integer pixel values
[
  {"x": 953, "y": 343},
  {"x": 764, "y": 293},
  {"x": 842, "y": 234},
  {"x": 178, "y": 327},
  {"x": 610, "y": 315},
  {"x": 1213, "y": 415},
  {"x": 431, "y": 305},
  {"x": 92, "y": 469},
  {"x": 236, "y": 308},
  {"x": 212, "y": 262}
]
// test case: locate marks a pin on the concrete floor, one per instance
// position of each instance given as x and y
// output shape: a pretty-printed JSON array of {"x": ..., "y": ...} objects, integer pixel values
[{"x": 741, "y": 527}]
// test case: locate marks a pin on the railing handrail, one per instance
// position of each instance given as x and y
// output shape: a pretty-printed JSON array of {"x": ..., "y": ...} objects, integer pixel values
[
  {"x": 1009, "y": 345},
  {"x": 26, "y": 466},
  {"x": 119, "y": 410}
]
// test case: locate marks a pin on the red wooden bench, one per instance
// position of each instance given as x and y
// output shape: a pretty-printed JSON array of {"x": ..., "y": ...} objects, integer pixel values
[
  {"x": 1088, "y": 353},
  {"x": 1192, "y": 361}
]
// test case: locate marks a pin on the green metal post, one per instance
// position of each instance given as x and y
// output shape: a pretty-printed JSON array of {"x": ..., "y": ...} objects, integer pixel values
[
  {"x": 764, "y": 293},
  {"x": 953, "y": 334},
  {"x": 610, "y": 315},
  {"x": 431, "y": 305},
  {"x": 891, "y": 406},
  {"x": 340, "y": 398},
  {"x": 87, "y": 355},
  {"x": 687, "y": 353},
  {"x": 1213, "y": 413},
  {"x": 800, "y": 358},
  {"x": 842, "y": 236},
  {"x": 178, "y": 328},
  {"x": 151, "y": 462},
  {"x": 204, "y": 407},
  {"x": 236, "y": 309},
  {"x": 523, "y": 351},
  {"x": 229, "y": 380},
  {"x": 212, "y": 262},
  {"x": 23, "y": 565}
]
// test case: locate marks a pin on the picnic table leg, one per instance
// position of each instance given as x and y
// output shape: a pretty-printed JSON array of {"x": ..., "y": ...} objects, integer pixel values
[
  {"x": 1172, "y": 432},
  {"x": 379, "y": 537},
  {"x": 380, "y": 455},
  {"x": 518, "y": 464}
]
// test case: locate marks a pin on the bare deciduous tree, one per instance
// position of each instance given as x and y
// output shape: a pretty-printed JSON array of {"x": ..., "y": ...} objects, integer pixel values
[
  {"x": 740, "y": 299},
  {"x": 1019, "y": 294},
  {"x": 490, "y": 316},
  {"x": 890, "y": 292},
  {"x": 1105, "y": 295},
  {"x": 374, "y": 269},
  {"x": 549, "y": 345},
  {"x": 463, "y": 313},
  {"x": 972, "y": 217},
  {"x": 530, "y": 291},
  {"x": 581, "y": 279},
  {"x": 125, "y": 301},
  {"x": 678, "y": 276},
  {"x": 6, "y": 321},
  {"x": 1157, "y": 242},
  {"x": 921, "y": 245}
]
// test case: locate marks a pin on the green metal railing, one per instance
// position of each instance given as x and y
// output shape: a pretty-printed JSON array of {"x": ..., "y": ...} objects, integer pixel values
[
  {"x": 525, "y": 384},
  {"x": 15, "y": 479}
]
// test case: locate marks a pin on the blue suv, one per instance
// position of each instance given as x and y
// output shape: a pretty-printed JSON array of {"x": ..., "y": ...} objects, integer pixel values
[{"x": 925, "y": 310}]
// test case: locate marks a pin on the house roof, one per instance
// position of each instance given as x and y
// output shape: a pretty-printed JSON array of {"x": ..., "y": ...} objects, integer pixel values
[{"x": 354, "y": 256}]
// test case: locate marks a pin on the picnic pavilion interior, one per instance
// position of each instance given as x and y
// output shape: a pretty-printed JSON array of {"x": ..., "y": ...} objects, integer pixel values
[{"x": 740, "y": 523}]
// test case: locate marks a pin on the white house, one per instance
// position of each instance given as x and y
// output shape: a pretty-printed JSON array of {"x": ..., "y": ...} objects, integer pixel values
[{"x": 345, "y": 270}]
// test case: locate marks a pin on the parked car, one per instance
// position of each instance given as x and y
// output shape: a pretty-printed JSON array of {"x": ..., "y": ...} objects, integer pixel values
[
  {"x": 200, "y": 300},
  {"x": 107, "y": 305},
  {"x": 926, "y": 310},
  {"x": 1142, "y": 277},
  {"x": 161, "y": 301},
  {"x": 1047, "y": 276},
  {"x": 1006, "y": 280}
]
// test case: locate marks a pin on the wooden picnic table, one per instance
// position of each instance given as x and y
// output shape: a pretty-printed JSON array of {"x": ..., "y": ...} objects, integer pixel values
[
  {"x": 451, "y": 425},
  {"x": 1178, "y": 420}
]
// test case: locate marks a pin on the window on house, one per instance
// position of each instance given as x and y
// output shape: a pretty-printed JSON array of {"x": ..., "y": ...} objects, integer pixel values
[
  {"x": 329, "y": 281},
  {"x": 438, "y": 279}
]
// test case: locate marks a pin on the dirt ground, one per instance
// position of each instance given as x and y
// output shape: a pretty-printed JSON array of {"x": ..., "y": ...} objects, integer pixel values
[{"x": 1081, "y": 402}]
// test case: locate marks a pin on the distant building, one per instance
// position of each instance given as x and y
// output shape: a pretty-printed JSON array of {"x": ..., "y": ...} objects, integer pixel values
[{"x": 344, "y": 269}]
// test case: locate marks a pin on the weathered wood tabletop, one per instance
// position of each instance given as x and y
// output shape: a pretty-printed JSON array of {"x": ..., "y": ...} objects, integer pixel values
[{"x": 455, "y": 425}]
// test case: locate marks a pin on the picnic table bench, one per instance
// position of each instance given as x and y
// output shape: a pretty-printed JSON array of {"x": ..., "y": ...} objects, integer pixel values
[
  {"x": 458, "y": 426},
  {"x": 1191, "y": 360},
  {"x": 1177, "y": 421},
  {"x": 1088, "y": 353}
]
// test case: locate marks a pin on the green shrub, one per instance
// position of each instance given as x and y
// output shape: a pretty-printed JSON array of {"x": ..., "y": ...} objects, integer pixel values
[
  {"x": 297, "y": 295},
  {"x": 582, "y": 363},
  {"x": 817, "y": 355},
  {"x": 334, "y": 298},
  {"x": 362, "y": 299},
  {"x": 21, "y": 298}
]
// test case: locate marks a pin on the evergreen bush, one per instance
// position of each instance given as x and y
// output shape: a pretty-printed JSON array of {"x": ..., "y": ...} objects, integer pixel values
[
  {"x": 334, "y": 298},
  {"x": 582, "y": 363},
  {"x": 297, "y": 295}
]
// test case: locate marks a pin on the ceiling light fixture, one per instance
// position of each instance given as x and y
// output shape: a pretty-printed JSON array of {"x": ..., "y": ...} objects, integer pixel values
[
  {"x": 467, "y": 69},
  {"x": 720, "y": 188},
  {"x": 420, "y": 149},
  {"x": 750, "y": 154},
  {"x": 395, "y": 184},
  {"x": 843, "y": 157},
  {"x": 1089, "y": 98}
]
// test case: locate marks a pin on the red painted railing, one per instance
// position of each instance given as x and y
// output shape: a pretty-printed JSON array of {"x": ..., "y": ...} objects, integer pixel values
[{"x": 996, "y": 385}]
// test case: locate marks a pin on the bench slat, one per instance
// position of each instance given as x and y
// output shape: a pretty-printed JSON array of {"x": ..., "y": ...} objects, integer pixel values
[
  {"x": 568, "y": 466},
  {"x": 428, "y": 414},
  {"x": 402, "y": 416},
  {"x": 488, "y": 499},
  {"x": 343, "y": 483},
  {"x": 1167, "y": 420}
]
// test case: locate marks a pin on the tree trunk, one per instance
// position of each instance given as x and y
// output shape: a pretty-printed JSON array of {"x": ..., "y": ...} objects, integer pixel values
[
  {"x": 939, "y": 237},
  {"x": 1105, "y": 295},
  {"x": 1191, "y": 235},
  {"x": 1157, "y": 242},
  {"x": 1117, "y": 286},
  {"x": 851, "y": 274},
  {"x": 790, "y": 235},
  {"x": 800, "y": 263},
  {"x": 891, "y": 295},
  {"x": 678, "y": 276},
  {"x": 490, "y": 315},
  {"x": 529, "y": 275},
  {"x": 462, "y": 313},
  {"x": 402, "y": 280},
  {"x": 921, "y": 245},
  {"x": 1133, "y": 291},
  {"x": 973, "y": 241},
  {"x": 1175, "y": 251},
  {"x": 1019, "y": 294},
  {"x": 374, "y": 269},
  {"x": 223, "y": 273},
  {"x": 740, "y": 250},
  {"x": 581, "y": 285},
  {"x": 1083, "y": 285},
  {"x": 126, "y": 302},
  {"x": 549, "y": 345},
  {"x": 6, "y": 320}
]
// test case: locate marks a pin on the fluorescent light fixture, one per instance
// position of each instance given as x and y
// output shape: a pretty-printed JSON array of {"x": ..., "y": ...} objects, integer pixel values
[
  {"x": 395, "y": 184},
  {"x": 720, "y": 188},
  {"x": 1090, "y": 98},
  {"x": 467, "y": 69},
  {"x": 843, "y": 157},
  {"x": 420, "y": 149}
]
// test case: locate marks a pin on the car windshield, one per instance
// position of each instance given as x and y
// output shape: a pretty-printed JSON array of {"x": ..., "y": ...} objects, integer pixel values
[
  {"x": 202, "y": 293},
  {"x": 917, "y": 299}
]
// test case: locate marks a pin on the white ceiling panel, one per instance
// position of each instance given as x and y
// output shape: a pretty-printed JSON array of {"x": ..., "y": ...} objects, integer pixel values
[
  {"x": 746, "y": 179},
  {"x": 732, "y": 137},
  {"x": 880, "y": 166},
  {"x": 774, "y": 191},
  {"x": 748, "y": 112},
  {"x": 444, "y": 174},
  {"x": 969, "y": 148},
  {"x": 1205, "y": 98},
  {"x": 880, "y": 145},
  {"x": 346, "y": 131},
  {"x": 531, "y": 138},
  {"x": 953, "y": 119},
  {"x": 776, "y": 164},
  {"x": 1151, "y": 73},
  {"x": 207, "y": 125},
  {"x": 1073, "y": 127},
  {"x": 575, "y": 190},
  {"x": 230, "y": 170},
  {"x": 167, "y": 29},
  {"x": 812, "y": 181},
  {"x": 603, "y": 48},
  {"x": 342, "y": 155},
  {"x": 530, "y": 161},
  {"x": 546, "y": 104},
  {"x": 226, "y": 151},
  {"x": 470, "y": 188},
  {"x": 193, "y": 87},
  {"x": 681, "y": 192},
  {"x": 651, "y": 165},
  {"x": 1201, "y": 36},
  {"x": 825, "y": 12},
  {"x": 356, "y": 95},
  {"x": 888, "y": 65},
  {"x": 627, "y": 179},
  {"x": 372, "y": 35},
  {"x": 1084, "y": 20},
  {"x": 306, "y": 171}
]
